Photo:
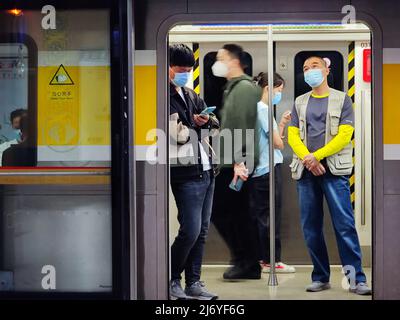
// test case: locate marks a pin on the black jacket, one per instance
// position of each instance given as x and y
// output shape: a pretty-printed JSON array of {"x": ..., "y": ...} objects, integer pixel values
[
  {"x": 19, "y": 155},
  {"x": 194, "y": 105}
]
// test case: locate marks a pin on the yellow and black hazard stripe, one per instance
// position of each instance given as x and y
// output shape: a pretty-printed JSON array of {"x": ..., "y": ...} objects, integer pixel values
[
  {"x": 351, "y": 91},
  {"x": 196, "y": 68}
]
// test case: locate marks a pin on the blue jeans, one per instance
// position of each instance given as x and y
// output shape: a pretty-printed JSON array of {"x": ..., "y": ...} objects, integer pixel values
[
  {"x": 194, "y": 201},
  {"x": 336, "y": 190}
]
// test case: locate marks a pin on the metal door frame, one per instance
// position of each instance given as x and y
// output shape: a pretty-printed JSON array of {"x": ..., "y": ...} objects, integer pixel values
[
  {"x": 122, "y": 152},
  {"x": 160, "y": 281}
]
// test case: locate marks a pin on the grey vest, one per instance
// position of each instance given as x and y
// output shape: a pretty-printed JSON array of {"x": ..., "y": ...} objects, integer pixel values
[{"x": 340, "y": 163}]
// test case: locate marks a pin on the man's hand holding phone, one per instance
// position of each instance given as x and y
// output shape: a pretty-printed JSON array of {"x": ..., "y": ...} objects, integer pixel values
[
  {"x": 240, "y": 171},
  {"x": 208, "y": 110},
  {"x": 202, "y": 118},
  {"x": 240, "y": 175}
]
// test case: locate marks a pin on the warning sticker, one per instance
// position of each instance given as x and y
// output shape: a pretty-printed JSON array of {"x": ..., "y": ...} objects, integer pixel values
[
  {"x": 60, "y": 106},
  {"x": 61, "y": 77},
  {"x": 74, "y": 121}
]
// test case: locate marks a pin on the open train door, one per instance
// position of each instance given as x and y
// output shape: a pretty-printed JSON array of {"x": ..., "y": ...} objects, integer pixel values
[{"x": 66, "y": 126}]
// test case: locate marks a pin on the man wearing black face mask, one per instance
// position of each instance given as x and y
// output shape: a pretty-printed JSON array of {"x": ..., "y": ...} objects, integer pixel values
[{"x": 192, "y": 176}]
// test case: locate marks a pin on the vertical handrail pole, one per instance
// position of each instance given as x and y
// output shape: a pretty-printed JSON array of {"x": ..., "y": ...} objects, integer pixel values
[{"x": 272, "y": 280}]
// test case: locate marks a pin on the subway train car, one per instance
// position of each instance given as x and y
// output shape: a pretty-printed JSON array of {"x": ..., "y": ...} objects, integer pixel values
[{"x": 86, "y": 206}]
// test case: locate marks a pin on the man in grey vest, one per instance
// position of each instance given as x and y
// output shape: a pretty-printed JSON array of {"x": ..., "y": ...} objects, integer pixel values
[{"x": 320, "y": 136}]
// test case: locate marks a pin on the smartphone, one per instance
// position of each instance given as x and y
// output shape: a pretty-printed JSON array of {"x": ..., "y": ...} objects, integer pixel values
[
  {"x": 208, "y": 110},
  {"x": 238, "y": 186}
]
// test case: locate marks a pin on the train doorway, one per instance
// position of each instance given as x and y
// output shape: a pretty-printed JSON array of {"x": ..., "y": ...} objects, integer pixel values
[{"x": 347, "y": 50}]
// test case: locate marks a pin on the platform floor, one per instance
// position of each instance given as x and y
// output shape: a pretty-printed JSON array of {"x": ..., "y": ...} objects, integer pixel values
[{"x": 291, "y": 286}]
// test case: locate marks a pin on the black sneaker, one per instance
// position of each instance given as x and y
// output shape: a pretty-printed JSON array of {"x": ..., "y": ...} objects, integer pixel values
[{"x": 240, "y": 272}]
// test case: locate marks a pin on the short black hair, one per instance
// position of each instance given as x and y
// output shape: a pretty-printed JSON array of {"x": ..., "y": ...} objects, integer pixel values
[
  {"x": 24, "y": 125},
  {"x": 319, "y": 58},
  {"x": 181, "y": 55},
  {"x": 262, "y": 79},
  {"x": 236, "y": 52},
  {"x": 17, "y": 113}
]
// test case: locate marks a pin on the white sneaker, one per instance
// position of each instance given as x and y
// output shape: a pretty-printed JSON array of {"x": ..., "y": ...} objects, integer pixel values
[
  {"x": 280, "y": 267},
  {"x": 362, "y": 289}
]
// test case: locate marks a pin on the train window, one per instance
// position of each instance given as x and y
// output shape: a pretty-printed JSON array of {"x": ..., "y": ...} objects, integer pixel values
[
  {"x": 16, "y": 110},
  {"x": 60, "y": 85},
  {"x": 214, "y": 86},
  {"x": 335, "y": 78},
  {"x": 55, "y": 222}
]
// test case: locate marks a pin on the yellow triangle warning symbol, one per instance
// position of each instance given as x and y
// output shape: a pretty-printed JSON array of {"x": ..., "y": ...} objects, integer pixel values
[{"x": 61, "y": 77}]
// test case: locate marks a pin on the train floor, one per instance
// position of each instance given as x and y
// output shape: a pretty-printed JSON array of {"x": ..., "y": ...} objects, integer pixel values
[{"x": 290, "y": 286}]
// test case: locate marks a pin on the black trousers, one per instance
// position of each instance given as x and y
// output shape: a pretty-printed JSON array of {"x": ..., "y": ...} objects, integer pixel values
[
  {"x": 233, "y": 221},
  {"x": 259, "y": 211}
]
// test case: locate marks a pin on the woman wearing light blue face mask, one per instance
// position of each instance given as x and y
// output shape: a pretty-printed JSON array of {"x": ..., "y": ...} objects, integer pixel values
[{"x": 259, "y": 182}]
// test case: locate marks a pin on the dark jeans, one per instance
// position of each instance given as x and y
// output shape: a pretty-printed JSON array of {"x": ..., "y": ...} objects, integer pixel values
[
  {"x": 259, "y": 210},
  {"x": 336, "y": 190},
  {"x": 232, "y": 220},
  {"x": 194, "y": 201}
]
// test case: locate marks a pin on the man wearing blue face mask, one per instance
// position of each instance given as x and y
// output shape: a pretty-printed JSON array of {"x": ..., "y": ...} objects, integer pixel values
[
  {"x": 259, "y": 181},
  {"x": 15, "y": 118},
  {"x": 15, "y": 136},
  {"x": 192, "y": 176},
  {"x": 320, "y": 136}
]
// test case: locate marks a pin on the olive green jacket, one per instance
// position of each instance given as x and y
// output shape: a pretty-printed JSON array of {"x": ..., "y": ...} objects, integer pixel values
[{"x": 239, "y": 111}]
